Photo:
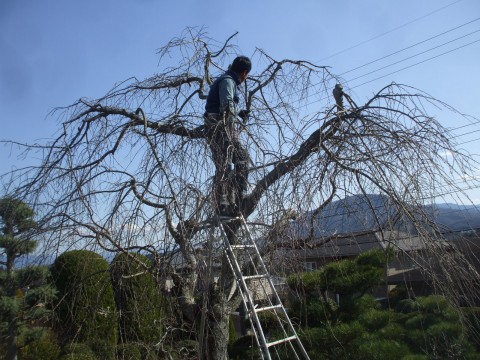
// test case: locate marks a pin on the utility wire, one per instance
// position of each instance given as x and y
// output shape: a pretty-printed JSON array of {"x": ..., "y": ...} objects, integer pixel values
[
  {"x": 445, "y": 32},
  {"x": 389, "y": 31},
  {"x": 383, "y": 76},
  {"x": 418, "y": 63},
  {"x": 409, "y": 47},
  {"x": 415, "y": 55}
]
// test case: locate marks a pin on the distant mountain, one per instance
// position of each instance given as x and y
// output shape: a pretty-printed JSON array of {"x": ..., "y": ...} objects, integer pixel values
[
  {"x": 455, "y": 217},
  {"x": 355, "y": 214},
  {"x": 361, "y": 213}
]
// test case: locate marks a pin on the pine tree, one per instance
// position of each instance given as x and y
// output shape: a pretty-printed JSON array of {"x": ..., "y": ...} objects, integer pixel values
[{"x": 24, "y": 293}]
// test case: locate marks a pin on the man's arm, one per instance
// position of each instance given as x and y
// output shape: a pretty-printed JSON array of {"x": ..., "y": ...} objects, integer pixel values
[{"x": 227, "y": 94}]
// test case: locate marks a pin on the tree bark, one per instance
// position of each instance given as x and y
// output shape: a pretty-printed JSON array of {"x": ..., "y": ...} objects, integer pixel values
[{"x": 12, "y": 340}]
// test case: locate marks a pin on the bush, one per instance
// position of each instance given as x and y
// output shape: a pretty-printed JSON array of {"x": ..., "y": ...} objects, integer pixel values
[
  {"x": 380, "y": 349},
  {"x": 44, "y": 348},
  {"x": 138, "y": 300},
  {"x": 78, "y": 356},
  {"x": 375, "y": 319},
  {"x": 78, "y": 351},
  {"x": 86, "y": 311},
  {"x": 307, "y": 283},
  {"x": 393, "y": 331},
  {"x": 232, "y": 335},
  {"x": 244, "y": 348},
  {"x": 407, "y": 306},
  {"x": 129, "y": 352}
]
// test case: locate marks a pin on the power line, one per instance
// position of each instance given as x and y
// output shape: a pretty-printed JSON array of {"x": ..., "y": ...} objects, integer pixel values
[
  {"x": 391, "y": 73},
  {"x": 469, "y": 141},
  {"x": 415, "y": 55},
  {"x": 409, "y": 47},
  {"x": 418, "y": 63},
  {"x": 394, "y": 72},
  {"x": 390, "y": 31},
  {"x": 435, "y": 36}
]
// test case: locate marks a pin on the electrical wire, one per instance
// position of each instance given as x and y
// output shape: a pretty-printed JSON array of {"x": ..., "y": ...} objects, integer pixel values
[
  {"x": 390, "y": 31},
  {"x": 409, "y": 47},
  {"x": 415, "y": 55},
  {"x": 418, "y": 63},
  {"x": 396, "y": 62}
]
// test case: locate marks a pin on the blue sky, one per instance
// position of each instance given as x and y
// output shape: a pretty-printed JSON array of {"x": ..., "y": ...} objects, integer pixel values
[{"x": 53, "y": 52}]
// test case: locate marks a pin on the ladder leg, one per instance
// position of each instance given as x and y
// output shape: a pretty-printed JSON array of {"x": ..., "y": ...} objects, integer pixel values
[{"x": 262, "y": 278}]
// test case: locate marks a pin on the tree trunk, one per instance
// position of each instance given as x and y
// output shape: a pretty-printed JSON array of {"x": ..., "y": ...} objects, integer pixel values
[
  {"x": 217, "y": 342},
  {"x": 12, "y": 322},
  {"x": 12, "y": 340},
  {"x": 219, "y": 308}
]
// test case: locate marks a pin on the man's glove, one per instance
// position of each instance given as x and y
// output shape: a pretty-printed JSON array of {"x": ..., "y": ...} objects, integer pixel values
[{"x": 243, "y": 114}]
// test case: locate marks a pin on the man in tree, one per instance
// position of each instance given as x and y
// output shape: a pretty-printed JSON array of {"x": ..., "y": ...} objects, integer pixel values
[{"x": 221, "y": 118}]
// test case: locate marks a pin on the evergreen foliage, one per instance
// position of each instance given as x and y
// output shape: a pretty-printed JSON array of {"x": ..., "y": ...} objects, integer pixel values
[
  {"x": 138, "y": 300},
  {"x": 129, "y": 352},
  {"x": 244, "y": 347},
  {"x": 358, "y": 328},
  {"x": 44, "y": 348},
  {"x": 231, "y": 331},
  {"x": 24, "y": 293},
  {"x": 85, "y": 311},
  {"x": 78, "y": 351}
]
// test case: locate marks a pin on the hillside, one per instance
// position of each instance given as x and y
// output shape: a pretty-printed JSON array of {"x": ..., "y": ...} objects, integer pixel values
[{"x": 360, "y": 213}]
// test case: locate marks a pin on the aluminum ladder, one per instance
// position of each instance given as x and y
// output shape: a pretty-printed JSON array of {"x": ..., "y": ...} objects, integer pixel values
[{"x": 246, "y": 255}]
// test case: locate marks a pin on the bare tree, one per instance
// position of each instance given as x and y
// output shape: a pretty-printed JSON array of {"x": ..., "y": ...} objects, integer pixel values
[{"x": 133, "y": 170}]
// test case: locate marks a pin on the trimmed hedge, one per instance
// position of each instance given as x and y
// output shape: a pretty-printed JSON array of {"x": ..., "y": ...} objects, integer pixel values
[
  {"x": 85, "y": 311},
  {"x": 44, "y": 348},
  {"x": 78, "y": 351},
  {"x": 138, "y": 300}
]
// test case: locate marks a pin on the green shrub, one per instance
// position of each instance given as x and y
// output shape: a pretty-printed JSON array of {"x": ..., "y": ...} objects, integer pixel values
[
  {"x": 407, "y": 306},
  {"x": 129, "y": 352},
  {"x": 77, "y": 356},
  {"x": 434, "y": 304},
  {"x": 315, "y": 340},
  {"x": 138, "y": 300},
  {"x": 244, "y": 347},
  {"x": 86, "y": 311},
  {"x": 78, "y": 351},
  {"x": 393, "y": 331},
  {"x": 232, "y": 335},
  {"x": 307, "y": 283},
  {"x": 415, "y": 357},
  {"x": 375, "y": 319},
  {"x": 380, "y": 349},
  {"x": 44, "y": 348}
]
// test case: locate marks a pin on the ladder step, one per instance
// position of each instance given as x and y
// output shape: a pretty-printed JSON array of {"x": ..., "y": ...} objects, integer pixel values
[
  {"x": 253, "y": 277},
  {"x": 281, "y": 341},
  {"x": 242, "y": 247},
  {"x": 266, "y": 308},
  {"x": 226, "y": 219}
]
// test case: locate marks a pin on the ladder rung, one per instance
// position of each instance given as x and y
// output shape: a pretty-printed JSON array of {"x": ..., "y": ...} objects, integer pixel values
[
  {"x": 273, "y": 343},
  {"x": 242, "y": 247},
  {"x": 266, "y": 308},
  {"x": 252, "y": 277},
  {"x": 226, "y": 219}
]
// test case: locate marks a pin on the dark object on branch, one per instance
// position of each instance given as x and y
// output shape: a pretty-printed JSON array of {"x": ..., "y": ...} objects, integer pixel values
[
  {"x": 338, "y": 96},
  {"x": 244, "y": 114}
]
